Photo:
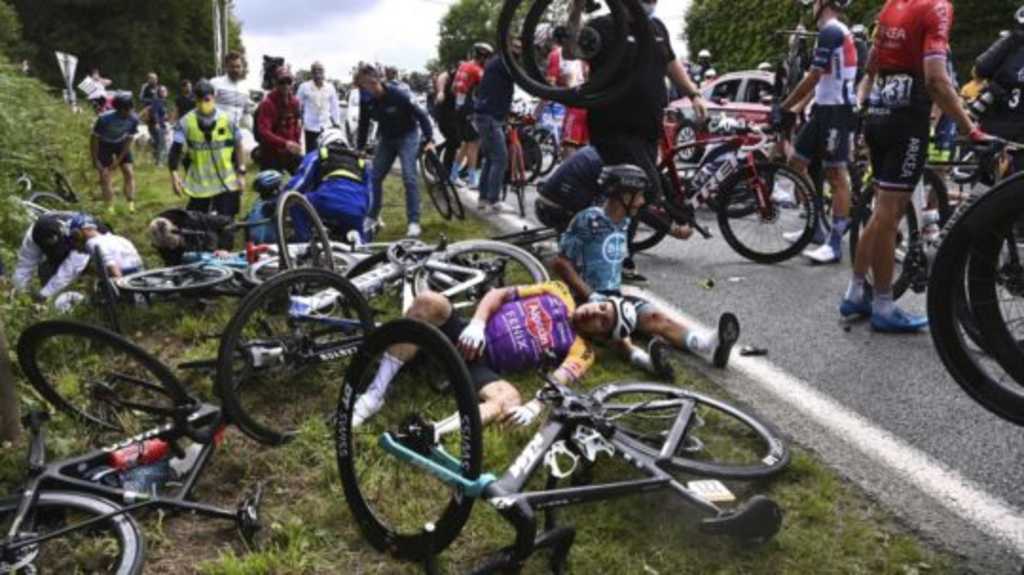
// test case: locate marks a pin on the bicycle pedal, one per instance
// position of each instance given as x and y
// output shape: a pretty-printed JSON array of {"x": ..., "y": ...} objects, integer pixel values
[{"x": 248, "y": 516}]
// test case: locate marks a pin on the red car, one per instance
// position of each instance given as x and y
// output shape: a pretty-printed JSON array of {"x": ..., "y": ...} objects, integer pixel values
[{"x": 745, "y": 95}]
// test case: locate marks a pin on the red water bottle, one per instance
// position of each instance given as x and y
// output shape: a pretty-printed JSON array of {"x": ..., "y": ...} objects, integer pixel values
[{"x": 145, "y": 453}]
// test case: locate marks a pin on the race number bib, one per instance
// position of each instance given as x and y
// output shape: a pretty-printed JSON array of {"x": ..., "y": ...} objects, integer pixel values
[{"x": 891, "y": 92}]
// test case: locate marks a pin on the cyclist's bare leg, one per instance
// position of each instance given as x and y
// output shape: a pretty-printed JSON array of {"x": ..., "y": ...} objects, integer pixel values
[
  {"x": 498, "y": 399},
  {"x": 473, "y": 155},
  {"x": 657, "y": 324},
  {"x": 890, "y": 207},
  {"x": 128, "y": 172},
  {"x": 108, "y": 193},
  {"x": 839, "y": 179}
]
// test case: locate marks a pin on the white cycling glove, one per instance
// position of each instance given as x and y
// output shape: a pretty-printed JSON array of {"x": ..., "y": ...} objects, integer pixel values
[
  {"x": 473, "y": 338},
  {"x": 525, "y": 414}
]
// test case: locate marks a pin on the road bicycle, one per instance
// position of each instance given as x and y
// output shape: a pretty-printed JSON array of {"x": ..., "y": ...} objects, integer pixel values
[
  {"x": 411, "y": 487},
  {"x": 516, "y": 176},
  {"x": 77, "y": 514},
  {"x": 757, "y": 201},
  {"x": 37, "y": 203},
  {"x": 442, "y": 192},
  {"x": 975, "y": 285},
  {"x": 296, "y": 332}
]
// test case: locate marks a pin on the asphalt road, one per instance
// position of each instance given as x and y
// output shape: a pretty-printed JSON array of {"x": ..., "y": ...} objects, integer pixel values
[{"x": 894, "y": 383}]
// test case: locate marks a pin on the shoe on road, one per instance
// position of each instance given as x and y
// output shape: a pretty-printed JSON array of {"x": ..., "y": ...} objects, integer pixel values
[
  {"x": 898, "y": 321},
  {"x": 823, "y": 255},
  {"x": 414, "y": 231},
  {"x": 659, "y": 351},
  {"x": 849, "y": 308},
  {"x": 728, "y": 334}
]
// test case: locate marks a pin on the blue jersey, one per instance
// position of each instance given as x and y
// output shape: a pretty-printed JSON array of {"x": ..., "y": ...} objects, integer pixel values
[
  {"x": 113, "y": 128},
  {"x": 342, "y": 203},
  {"x": 597, "y": 247}
]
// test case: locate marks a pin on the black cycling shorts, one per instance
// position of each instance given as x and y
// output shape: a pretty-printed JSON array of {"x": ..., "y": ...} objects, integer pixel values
[
  {"x": 467, "y": 131},
  {"x": 480, "y": 373},
  {"x": 109, "y": 152},
  {"x": 898, "y": 141},
  {"x": 828, "y": 136}
]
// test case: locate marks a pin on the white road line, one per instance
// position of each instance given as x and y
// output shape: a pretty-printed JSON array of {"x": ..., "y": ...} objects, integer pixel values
[{"x": 990, "y": 514}]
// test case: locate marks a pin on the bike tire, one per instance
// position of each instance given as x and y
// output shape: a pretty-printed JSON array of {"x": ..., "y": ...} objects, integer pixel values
[
  {"x": 464, "y": 252},
  {"x": 438, "y": 192},
  {"x": 54, "y": 506},
  {"x": 366, "y": 502},
  {"x": 686, "y": 149},
  {"x": 63, "y": 187},
  {"x": 641, "y": 240},
  {"x": 550, "y": 151},
  {"x": 244, "y": 385},
  {"x": 46, "y": 200},
  {"x": 969, "y": 230},
  {"x": 188, "y": 278},
  {"x": 739, "y": 191},
  {"x": 318, "y": 244},
  {"x": 62, "y": 382},
  {"x": 108, "y": 298},
  {"x": 771, "y": 457}
]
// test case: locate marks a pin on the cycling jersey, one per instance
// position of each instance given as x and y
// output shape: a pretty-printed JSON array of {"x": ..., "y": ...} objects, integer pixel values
[
  {"x": 341, "y": 201},
  {"x": 62, "y": 264},
  {"x": 467, "y": 78},
  {"x": 115, "y": 251},
  {"x": 909, "y": 32},
  {"x": 537, "y": 320},
  {"x": 836, "y": 57},
  {"x": 1003, "y": 66},
  {"x": 597, "y": 247}
]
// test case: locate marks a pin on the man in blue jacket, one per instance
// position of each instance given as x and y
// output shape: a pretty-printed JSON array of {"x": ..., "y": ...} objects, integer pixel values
[
  {"x": 493, "y": 103},
  {"x": 397, "y": 118},
  {"x": 336, "y": 180}
]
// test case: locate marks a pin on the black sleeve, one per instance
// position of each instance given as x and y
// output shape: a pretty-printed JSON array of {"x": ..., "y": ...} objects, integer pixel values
[
  {"x": 364, "y": 123},
  {"x": 988, "y": 64},
  {"x": 174, "y": 156},
  {"x": 662, "y": 30}
]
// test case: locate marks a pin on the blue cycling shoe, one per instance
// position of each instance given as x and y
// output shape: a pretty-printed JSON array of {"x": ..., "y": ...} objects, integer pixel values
[
  {"x": 898, "y": 321},
  {"x": 849, "y": 308}
]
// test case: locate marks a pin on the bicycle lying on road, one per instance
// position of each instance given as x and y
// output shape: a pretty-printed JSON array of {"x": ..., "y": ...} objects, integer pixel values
[
  {"x": 411, "y": 488},
  {"x": 76, "y": 514}
]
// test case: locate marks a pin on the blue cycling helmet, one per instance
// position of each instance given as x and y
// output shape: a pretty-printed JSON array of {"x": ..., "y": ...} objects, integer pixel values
[
  {"x": 82, "y": 222},
  {"x": 268, "y": 183}
]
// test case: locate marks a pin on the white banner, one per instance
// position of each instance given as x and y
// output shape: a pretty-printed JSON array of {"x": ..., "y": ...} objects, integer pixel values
[{"x": 68, "y": 63}]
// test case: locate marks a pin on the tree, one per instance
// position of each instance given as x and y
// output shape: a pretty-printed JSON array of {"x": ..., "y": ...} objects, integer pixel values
[
  {"x": 466, "y": 23},
  {"x": 11, "y": 43},
  {"x": 124, "y": 38},
  {"x": 741, "y": 43}
]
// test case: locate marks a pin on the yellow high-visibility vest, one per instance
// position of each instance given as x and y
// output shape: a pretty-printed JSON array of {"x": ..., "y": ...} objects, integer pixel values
[{"x": 212, "y": 168}]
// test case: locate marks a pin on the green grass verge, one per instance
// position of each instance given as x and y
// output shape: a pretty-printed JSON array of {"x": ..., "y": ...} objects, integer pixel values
[{"x": 830, "y": 527}]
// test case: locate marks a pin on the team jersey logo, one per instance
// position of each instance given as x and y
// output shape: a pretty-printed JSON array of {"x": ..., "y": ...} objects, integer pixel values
[
  {"x": 538, "y": 322},
  {"x": 614, "y": 248}
]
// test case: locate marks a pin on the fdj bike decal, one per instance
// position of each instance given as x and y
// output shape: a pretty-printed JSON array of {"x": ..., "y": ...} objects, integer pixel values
[{"x": 526, "y": 459}]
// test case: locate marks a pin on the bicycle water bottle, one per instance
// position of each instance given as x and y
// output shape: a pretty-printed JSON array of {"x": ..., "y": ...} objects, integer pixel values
[{"x": 145, "y": 453}]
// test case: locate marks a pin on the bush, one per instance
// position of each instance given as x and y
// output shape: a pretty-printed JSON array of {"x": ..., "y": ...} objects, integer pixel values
[{"x": 38, "y": 134}]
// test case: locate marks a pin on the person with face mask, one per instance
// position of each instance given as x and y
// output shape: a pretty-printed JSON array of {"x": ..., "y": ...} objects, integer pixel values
[
  {"x": 626, "y": 130},
  {"x": 320, "y": 106},
  {"x": 215, "y": 174}
]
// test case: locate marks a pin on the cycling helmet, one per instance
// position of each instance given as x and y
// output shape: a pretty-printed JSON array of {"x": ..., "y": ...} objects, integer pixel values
[
  {"x": 622, "y": 178},
  {"x": 859, "y": 31},
  {"x": 482, "y": 49},
  {"x": 711, "y": 74},
  {"x": 1019, "y": 17},
  {"x": 203, "y": 88},
  {"x": 705, "y": 54},
  {"x": 764, "y": 67},
  {"x": 48, "y": 231},
  {"x": 332, "y": 136},
  {"x": 268, "y": 183},
  {"x": 625, "y": 318},
  {"x": 82, "y": 222},
  {"x": 123, "y": 101}
]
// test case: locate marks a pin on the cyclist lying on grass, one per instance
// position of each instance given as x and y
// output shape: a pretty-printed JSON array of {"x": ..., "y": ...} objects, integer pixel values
[
  {"x": 591, "y": 255},
  {"x": 119, "y": 255},
  {"x": 513, "y": 330},
  {"x": 177, "y": 232}
]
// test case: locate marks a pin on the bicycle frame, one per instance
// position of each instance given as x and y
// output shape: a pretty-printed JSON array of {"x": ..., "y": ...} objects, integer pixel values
[
  {"x": 53, "y": 475},
  {"x": 377, "y": 280}
]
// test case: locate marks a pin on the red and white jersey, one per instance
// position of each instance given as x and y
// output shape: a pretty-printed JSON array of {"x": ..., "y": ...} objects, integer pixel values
[
  {"x": 836, "y": 57},
  {"x": 910, "y": 32}
]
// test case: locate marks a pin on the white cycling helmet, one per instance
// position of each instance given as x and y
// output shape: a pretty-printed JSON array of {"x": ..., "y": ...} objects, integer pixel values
[
  {"x": 625, "y": 318},
  {"x": 764, "y": 67},
  {"x": 704, "y": 54},
  {"x": 331, "y": 136},
  {"x": 711, "y": 74}
]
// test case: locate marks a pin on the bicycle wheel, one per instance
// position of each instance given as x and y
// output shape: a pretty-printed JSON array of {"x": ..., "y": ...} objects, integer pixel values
[
  {"x": 757, "y": 233},
  {"x": 261, "y": 271},
  {"x": 302, "y": 239},
  {"x": 643, "y": 237},
  {"x": 106, "y": 295},
  {"x": 187, "y": 278},
  {"x": 687, "y": 151},
  {"x": 99, "y": 377},
  {"x": 550, "y": 151},
  {"x": 504, "y": 265},
  {"x": 971, "y": 252},
  {"x": 435, "y": 183},
  {"x": 720, "y": 440},
  {"x": 391, "y": 500},
  {"x": 114, "y": 545},
  {"x": 48, "y": 201},
  {"x": 285, "y": 350},
  {"x": 533, "y": 155}
]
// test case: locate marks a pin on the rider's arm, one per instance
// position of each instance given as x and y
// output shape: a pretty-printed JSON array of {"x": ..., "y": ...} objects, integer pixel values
[
  {"x": 803, "y": 90},
  {"x": 69, "y": 270},
  {"x": 989, "y": 63},
  {"x": 566, "y": 272},
  {"x": 576, "y": 364},
  {"x": 943, "y": 93},
  {"x": 492, "y": 302},
  {"x": 303, "y": 179}
]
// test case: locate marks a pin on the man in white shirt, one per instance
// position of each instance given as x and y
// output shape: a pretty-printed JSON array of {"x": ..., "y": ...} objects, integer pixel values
[
  {"x": 119, "y": 256},
  {"x": 231, "y": 97},
  {"x": 320, "y": 106},
  {"x": 46, "y": 251}
]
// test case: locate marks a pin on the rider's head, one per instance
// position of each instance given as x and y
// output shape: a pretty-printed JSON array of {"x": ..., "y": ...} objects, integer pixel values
[
  {"x": 625, "y": 184},
  {"x": 368, "y": 79},
  {"x": 820, "y": 6},
  {"x": 332, "y": 137},
  {"x": 234, "y": 66},
  {"x": 50, "y": 231},
  {"x": 482, "y": 51},
  {"x": 268, "y": 183},
  {"x": 164, "y": 234},
  {"x": 82, "y": 227},
  {"x": 614, "y": 319},
  {"x": 123, "y": 103},
  {"x": 704, "y": 56}
]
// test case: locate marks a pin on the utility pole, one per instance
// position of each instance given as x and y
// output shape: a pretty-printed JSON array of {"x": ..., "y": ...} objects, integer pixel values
[{"x": 221, "y": 20}]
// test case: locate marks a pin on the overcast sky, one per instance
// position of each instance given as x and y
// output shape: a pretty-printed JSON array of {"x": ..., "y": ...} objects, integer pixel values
[{"x": 340, "y": 33}]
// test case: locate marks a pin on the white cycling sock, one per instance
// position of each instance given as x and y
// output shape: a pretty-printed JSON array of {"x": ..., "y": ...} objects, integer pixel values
[
  {"x": 446, "y": 426},
  {"x": 701, "y": 343},
  {"x": 642, "y": 359},
  {"x": 855, "y": 291},
  {"x": 884, "y": 303},
  {"x": 389, "y": 368}
]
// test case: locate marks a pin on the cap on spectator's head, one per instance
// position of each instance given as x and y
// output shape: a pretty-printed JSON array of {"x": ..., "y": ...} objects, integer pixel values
[{"x": 203, "y": 88}]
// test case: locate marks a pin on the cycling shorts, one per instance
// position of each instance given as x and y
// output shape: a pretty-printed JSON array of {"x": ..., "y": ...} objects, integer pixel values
[
  {"x": 898, "y": 141},
  {"x": 109, "y": 152},
  {"x": 480, "y": 372},
  {"x": 828, "y": 136},
  {"x": 467, "y": 131}
]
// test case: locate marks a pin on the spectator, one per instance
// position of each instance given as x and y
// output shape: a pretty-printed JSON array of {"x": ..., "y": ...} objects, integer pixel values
[
  {"x": 397, "y": 117},
  {"x": 156, "y": 122},
  {"x": 185, "y": 102},
  {"x": 280, "y": 128},
  {"x": 147, "y": 93},
  {"x": 231, "y": 97},
  {"x": 215, "y": 173},
  {"x": 320, "y": 106},
  {"x": 445, "y": 116},
  {"x": 391, "y": 76},
  {"x": 467, "y": 78},
  {"x": 111, "y": 147},
  {"x": 494, "y": 101}
]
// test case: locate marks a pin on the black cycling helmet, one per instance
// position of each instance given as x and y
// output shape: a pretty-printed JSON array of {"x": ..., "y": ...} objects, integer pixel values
[
  {"x": 622, "y": 178},
  {"x": 49, "y": 231},
  {"x": 202, "y": 89},
  {"x": 123, "y": 101}
]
